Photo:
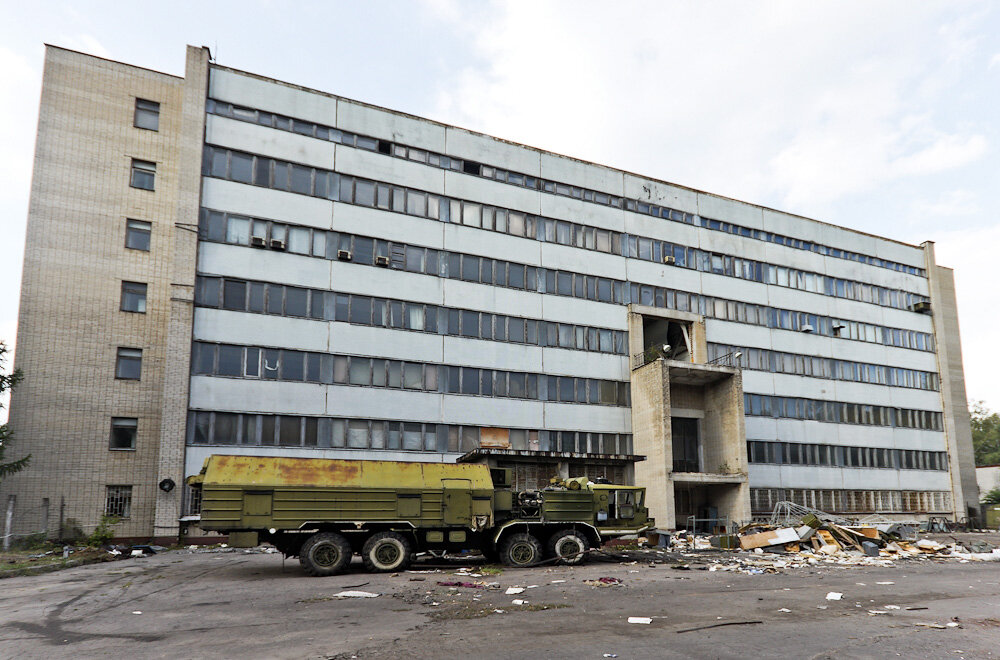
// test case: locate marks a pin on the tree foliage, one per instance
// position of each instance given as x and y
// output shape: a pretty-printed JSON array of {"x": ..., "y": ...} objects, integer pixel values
[
  {"x": 7, "y": 383},
  {"x": 991, "y": 496},
  {"x": 985, "y": 433}
]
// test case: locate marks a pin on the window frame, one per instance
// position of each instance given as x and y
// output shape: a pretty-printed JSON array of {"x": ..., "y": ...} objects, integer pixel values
[
  {"x": 116, "y": 425},
  {"x": 146, "y": 168},
  {"x": 142, "y": 305},
  {"x": 126, "y": 356},
  {"x": 147, "y": 111},
  {"x": 140, "y": 228}
]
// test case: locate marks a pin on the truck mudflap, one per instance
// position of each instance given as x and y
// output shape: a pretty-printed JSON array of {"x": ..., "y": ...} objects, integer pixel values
[{"x": 527, "y": 524}]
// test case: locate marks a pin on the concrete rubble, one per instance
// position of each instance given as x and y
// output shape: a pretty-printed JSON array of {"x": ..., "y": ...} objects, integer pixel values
[{"x": 818, "y": 538}]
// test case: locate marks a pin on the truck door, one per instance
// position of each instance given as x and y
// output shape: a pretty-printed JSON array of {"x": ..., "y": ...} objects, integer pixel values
[
  {"x": 257, "y": 507},
  {"x": 456, "y": 505}
]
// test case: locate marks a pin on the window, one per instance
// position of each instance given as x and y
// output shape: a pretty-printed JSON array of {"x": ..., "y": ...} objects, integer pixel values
[
  {"x": 147, "y": 115},
  {"x": 143, "y": 174},
  {"x": 137, "y": 235},
  {"x": 123, "y": 432},
  {"x": 129, "y": 364},
  {"x": 119, "y": 501},
  {"x": 133, "y": 297}
]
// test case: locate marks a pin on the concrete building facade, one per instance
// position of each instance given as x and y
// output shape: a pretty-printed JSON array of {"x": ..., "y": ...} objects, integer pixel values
[{"x": 273, "y": 270}]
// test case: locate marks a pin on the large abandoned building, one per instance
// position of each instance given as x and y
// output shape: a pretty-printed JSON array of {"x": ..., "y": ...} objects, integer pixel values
[{"x": 224, "y": 263}]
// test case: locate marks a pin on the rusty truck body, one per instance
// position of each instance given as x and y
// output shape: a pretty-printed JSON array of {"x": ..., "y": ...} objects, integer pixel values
[{"x": 325, "y": 511}]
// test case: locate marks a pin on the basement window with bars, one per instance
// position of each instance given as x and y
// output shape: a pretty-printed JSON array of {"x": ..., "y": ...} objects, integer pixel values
[{"x": 119, "y": 501}]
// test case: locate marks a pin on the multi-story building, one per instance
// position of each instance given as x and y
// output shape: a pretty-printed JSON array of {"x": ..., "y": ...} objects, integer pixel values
[{"x": 224, "y": 263}]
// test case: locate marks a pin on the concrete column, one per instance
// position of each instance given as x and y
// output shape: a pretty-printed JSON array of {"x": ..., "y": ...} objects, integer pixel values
[
  {"x": 957, "y": 424},
  {"x": 651, "y": 438}
]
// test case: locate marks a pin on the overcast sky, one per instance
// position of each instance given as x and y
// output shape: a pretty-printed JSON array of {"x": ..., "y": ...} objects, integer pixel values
[{"x": 877, "y": 116}]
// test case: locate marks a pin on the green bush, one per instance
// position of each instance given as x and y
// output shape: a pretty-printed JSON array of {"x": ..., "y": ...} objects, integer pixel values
[
  {"x": 103, "y": 533},
  {"x": 992, "y": 496}
]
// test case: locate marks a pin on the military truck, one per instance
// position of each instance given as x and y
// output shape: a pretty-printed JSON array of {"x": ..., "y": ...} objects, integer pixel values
[{"x": 325, "y": 511}]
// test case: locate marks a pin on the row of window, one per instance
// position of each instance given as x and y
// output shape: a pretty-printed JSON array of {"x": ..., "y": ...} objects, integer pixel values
[
  {"x": 762, "y": 359},
  {"x": 282, "y": 175},
  {"x": 270, "y": 298},
  {"x": 837, "y": 412},
  {"x": 396, "y": 150},
  {"x": 240, "y": 230},
  {"x": 225, "y": 428},
  {"x": 302, "y": 366},
  {"x": 763, "y": 500},
  {"x": 793, "y": 453}
]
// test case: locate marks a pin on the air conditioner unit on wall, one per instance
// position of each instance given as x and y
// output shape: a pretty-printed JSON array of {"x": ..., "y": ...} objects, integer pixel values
[
  {"x": 258, "y": 241},
  {"x": 669, "y": 259},
  {"x": 923, "y": 306},
  {"x": 382, "y": 261},
  {"x": 277, "y": 244},
  {"x": 344, "y": 255}
]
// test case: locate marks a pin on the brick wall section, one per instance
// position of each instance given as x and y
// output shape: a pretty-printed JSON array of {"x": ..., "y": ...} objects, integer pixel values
[
  {"x": 176, "y": 373},
  {"x": 69, "y": 325}
]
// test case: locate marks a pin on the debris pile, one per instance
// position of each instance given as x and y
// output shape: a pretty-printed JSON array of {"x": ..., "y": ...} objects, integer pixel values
[{"x": 805, "y": 537}]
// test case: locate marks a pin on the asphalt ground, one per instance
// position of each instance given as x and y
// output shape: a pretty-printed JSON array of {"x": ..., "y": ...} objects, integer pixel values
[{"x": 230, "y": 604}]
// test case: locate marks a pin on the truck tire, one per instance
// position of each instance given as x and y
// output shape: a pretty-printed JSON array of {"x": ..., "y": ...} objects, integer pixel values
[
  {"x": 325, "y": 553},
  {"x": 386, "y": 552},
  {"x": 520, "y": 550},
  {"x": 569, "y": 546}
]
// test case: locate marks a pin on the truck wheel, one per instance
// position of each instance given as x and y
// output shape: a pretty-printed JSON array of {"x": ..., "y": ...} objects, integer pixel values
[
  {"x": 386, "y": 552},
  {"x": 325, "y": 553},
  {"x": 569, "y": 546},
  {"x": 520, "y": 550}
]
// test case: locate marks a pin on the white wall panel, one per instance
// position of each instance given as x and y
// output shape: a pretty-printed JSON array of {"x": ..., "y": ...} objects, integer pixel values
[
  {"x": 363, "y": 221},
  {"x": 586, "y": 365},
  {"x": 579, "y": 417},
  {"x": 389, "y": 125},
  {"x": 266, "y": 265},
  {"x": 227, "y": 327},
  {"x": 660, "y": 193},
  {"x": 492, "y": 151},
  {"x": 585, "y": 312},
  {"x": 495, "y": 245},
  {"x": 579, "y": 211},
  {"x": 460, "y": 351},
  {"x": 258, "y": 396},
  {"x": 273, "y": 96},
  {"x": 498, "y": 300},
  {"x": 385, "y": 343},
  {"x": 481, "y": 411},
  {"x": 386, "y": 283},
  {"x": 373, "y": 403},
  {"x": 578, "y": 260},
  {"x": 267, "y": 204},
  {"x": 730, "y": 210},
  {"x": 388, "y": 169},
  {"x": 580, "y": 173},
  {"x": 486, "y": 191},
  {"x": 265, "y": 141}
]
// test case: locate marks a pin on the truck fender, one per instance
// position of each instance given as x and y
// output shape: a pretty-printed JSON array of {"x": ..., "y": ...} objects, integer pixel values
[{"x": 590, "y": 529}]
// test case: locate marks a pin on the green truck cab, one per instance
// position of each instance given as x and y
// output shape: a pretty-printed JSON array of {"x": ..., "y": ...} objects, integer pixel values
[{"x": 325, "y": 511}]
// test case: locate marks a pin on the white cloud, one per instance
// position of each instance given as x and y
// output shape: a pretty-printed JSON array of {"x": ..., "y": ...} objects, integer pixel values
[
  {"x": 945, "y": 153},
  {"x": 951, "y": 203},
  {"x": 994, "y": 61}
]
